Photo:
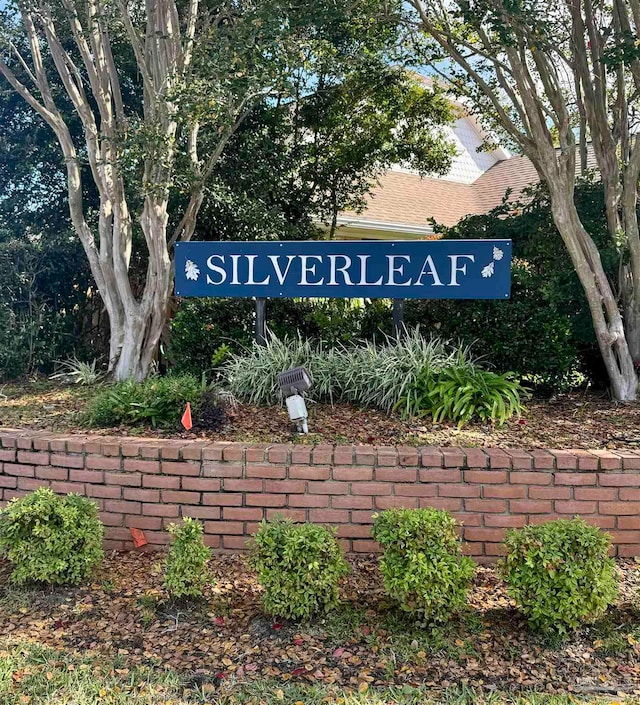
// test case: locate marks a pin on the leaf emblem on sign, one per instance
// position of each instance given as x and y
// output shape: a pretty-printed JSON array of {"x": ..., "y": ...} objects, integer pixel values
[
  {"x": 498, "y": 254},
  {"x": 488, "y": 270},
  {"x": 191, "y": 270}
]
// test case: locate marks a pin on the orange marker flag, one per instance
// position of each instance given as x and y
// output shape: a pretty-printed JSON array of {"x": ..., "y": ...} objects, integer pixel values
[
  {"x": 139, "y": 539},
  {"x": 186, "y": 417}
]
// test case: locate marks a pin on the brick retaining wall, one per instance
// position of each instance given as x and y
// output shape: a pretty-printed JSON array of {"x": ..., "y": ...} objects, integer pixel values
[{"x": 149, "y": 483}]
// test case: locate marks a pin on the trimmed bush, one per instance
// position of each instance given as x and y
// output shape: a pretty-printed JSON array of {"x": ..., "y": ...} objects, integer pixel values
[
  {"x": 158, "y": 401},
  {"x": 51, "y": 539},
  {"x": 422, "y": 567},
  {"x": 299, "y": 566},
  {"x": 559, "y": 573},
  {"x": 186, "y": 571}
]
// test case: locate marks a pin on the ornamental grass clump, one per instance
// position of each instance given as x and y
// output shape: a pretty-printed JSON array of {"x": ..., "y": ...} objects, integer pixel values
[
  {"x": 51, "y": 539},
  {"x": 299, "y": 566},
  {"x": 422, "y": 567},
  {"x": 559, "y": 573},
  {"x": 186, "y": 568}
]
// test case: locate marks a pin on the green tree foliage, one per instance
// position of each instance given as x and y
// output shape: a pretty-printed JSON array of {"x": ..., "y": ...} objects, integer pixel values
[
  {"x": 186, "y": 572},
  {"x": 51, "y": 539},
  {"x": 559, "y": 573},
  {"x": 299, "y": 567},
  {"x": 423, "y": 568}
]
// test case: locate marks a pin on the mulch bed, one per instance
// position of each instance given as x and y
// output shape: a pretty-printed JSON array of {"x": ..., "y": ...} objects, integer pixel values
[
  {"x": 566, "y": 421},
  {"x": 226, "y": 639}
]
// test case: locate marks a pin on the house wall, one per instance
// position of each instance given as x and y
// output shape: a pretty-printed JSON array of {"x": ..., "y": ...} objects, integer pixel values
[{"x": 149, "y": 483}]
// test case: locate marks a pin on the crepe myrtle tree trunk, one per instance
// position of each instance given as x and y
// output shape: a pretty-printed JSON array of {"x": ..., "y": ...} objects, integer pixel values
[{"x": 86, "y": 72}]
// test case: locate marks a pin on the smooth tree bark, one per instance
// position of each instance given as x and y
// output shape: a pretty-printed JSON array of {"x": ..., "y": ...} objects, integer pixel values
[
  {"x": 72, "y": 42},
  {"x": 542, "y": 72}
]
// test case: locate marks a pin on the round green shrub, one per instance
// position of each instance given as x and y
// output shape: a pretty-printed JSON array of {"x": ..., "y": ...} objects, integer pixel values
[
  {"x": 186, "y": 571},
  {"x": 299, "y": 566},
  {"x": 422, "y": 567},
  {"x": 559, "y": 573},
  {"x": 51, "y": 539}
]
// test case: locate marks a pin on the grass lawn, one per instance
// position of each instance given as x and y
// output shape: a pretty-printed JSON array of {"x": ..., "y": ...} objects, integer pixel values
[
  {"x": 568, "y": 421},
  {"x": 118, "y": 640}
]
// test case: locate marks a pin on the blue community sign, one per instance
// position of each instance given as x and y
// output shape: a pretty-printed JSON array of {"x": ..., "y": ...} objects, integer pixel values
[{"x": 429, "y": 269}]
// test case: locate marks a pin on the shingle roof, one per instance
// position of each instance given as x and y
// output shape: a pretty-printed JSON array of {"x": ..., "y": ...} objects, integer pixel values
[{"x": 405, "y": 198}]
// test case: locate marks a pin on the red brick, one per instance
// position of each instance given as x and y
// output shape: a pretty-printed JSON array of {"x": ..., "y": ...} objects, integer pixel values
[
  {"x": 343, "y": 455},
  {"x": 234, "y": 452},
  {"x": 242, "y": 513},
  {"x": 28, "y": 458},
  {"x": 505, "y": 520},
  {"x": 170, "y": 451},
  {"x": 629, "y": 522},
  {"x": 201, "y": 512},
  {"x": 542, "y": 459},
  {"x": 234, "y": 543},
  {"x": 143, "y": 522},
  {"x": 95, "y": 477},
  {"x": 520, "y": 459},
  {"x": 392, "y": 502},
  {"x": 499, "y": 459},
  {"x": 386, "y": 456},
  {"x": 626, "y": 494},
  {"x": 365, "y": 455},
  {"x": 478, "y": 534},
  {"x": 531, "y": 506},
  {"x": 357, "y": 531},
  {"x": 224, "y": 527},
  {"x": 193, "y": 451},
  {"x": 179, "y": 497},
  {"x": 438, "y": 475},
  {"x": 630, "y": 459},
  {"x": 575, "y": 507},
  {"x": 628, "y": 551},
  {"x": 200, "y": 484},
  {"x": 619, "y": 479},
  {"x": 123, "y": 478},
  {"x": 118, "y": 506},
  {"x": 46, "y": 473},
  {"x": 303, "y": 472},
  {"x": 139, "y": 495},
  {"x": 222, "y": 469},
  {"x": 110, "y": 448},
  {"x": 339, "y": 488},
  {"x": 431, "y": 458},
  {"x": 273, "y": 472},
  {"x": 353, "y": 473},
  {"x": 450, "y": 504},
  {"x": 167, "y": 482},
  {"x": 322, "y": 455},
  {"x": 104, "y": 492},
  {"x": 469, "y": 519},
  {"x": 416, "y": 490},
  {"x": 130, "y": 450},
  {"x": 491, "y": 506},
  {"x": 458, "y": 490},
  {"x": 7, "y": 455},
  {"x": 231, "y": 485},
  {"x": 151, "y": 467},
  {"x": 395, "y": 474},
  {"x": 161, "y": 510},
  {"x": 530, "y": 478},
  {"x": 619, "y": 508},
  {"x": 67, "y": 461},
  {"x": 97, "y": 462},
  {"x": 158, "y": 538},
  {"x": 278, "y": 454},
  {"x": 486, "y": 477},
  {"x": 18, "y": 470},
  {"x": 453, "y": 458},
  {"x": 8, "y": 482},
  {"x": 297, "y": 515},
  {"x": 586, "y": 460},
  {"x": 222, "y": 499},
  {"x": 266, "y": 500},
  {"x": 608, "y": 460},
  {"x": 602, "y": 522},
  {"x": 111, "y": 518},
  {"x": 29, "y": 483},
  {"x": 67, "y": 487},
  {"x": 543, "y": 518},
  {"x": 365, "y": 546},
  {"x": 504, "y": 491},
  {"x": 575, "y": 478},
  {"x": 309, "y": 500},
  {"x": 565, "y": 459},
  {"x": 550, "y": 492},
  {"x": 362, "y": 516},
  {"x": 599, "y": 494},
  {"x": 213, "y": 451},
  {"x": 183, "y": 468},
  {"x": 625, "y": 536},
  {"x": 494, "y": 549},
  {"x": 476, "y": 458},
  {"x": 256, "y": 453},
  {"x": 350, "y": 502},
  {"x": 284, "y": 486},
  {"x": 371, "y": 488},
  {"x": 301, "y": 455}
]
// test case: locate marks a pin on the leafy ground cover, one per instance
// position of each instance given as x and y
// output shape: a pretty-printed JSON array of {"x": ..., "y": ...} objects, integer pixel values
[
  {"x": 566, "y": 421},
  {"x": 120, "y": 635}
]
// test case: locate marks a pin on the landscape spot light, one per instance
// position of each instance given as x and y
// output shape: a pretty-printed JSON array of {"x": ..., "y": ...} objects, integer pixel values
[{"x": 292, "y": 383}]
